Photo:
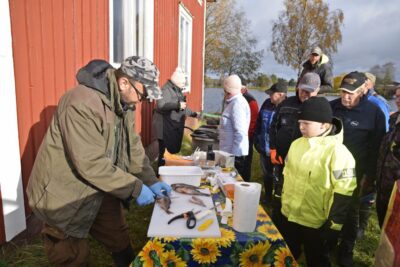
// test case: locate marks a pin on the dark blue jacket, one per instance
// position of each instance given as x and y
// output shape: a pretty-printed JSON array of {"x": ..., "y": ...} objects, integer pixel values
[
  {"x": 364, "y": 127},
  {"x": 261, "y": 132}
]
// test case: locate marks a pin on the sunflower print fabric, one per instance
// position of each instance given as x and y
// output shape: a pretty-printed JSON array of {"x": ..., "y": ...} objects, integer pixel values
[{"x": 263, "y": 247}]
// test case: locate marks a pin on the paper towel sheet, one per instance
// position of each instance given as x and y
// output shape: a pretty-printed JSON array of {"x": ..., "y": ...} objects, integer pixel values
[{"x": 245, "y": 206}]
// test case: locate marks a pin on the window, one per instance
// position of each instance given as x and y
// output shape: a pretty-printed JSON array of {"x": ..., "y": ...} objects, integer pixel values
[
  {"x": 131, "y": 29},
  {"x": 185, "y": 43}
]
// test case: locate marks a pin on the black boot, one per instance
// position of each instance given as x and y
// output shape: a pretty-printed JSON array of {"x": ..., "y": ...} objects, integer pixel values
[
  {"x": 123, "y": 258},
  {"x": 345, "y": 258}
]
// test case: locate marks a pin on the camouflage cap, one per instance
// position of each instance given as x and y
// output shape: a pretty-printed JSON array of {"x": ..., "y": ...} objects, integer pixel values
[{"x": 142, "y": 70}]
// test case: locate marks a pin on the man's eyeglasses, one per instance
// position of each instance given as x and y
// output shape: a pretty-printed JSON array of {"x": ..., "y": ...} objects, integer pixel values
[{"x": 141, "y": 96}]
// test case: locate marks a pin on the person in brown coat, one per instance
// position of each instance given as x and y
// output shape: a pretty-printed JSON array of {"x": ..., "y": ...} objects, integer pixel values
[{"x": 91, "y": 161}]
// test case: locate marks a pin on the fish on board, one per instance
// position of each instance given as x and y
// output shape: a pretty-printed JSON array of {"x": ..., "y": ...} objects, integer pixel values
[
  {"x": 188, "y": 189},
  {"x": 185, "y": 185},
  {"x": 197, "y": 201},
  {"x": 164, "y": 202}
]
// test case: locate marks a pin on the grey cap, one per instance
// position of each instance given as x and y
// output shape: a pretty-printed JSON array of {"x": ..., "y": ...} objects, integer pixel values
[
  {"x": 316, "y": 50},
  {"x": 142, "y": 70},
  {"x": 309, "y": 82}
]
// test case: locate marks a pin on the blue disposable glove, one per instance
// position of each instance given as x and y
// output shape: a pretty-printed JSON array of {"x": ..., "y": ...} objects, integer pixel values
[
  {"x": 159, "y": 187},
  {"x": 145, "y": 197}
]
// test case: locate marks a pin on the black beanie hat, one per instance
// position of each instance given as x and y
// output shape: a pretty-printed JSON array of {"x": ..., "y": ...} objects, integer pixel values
[{"x": 316, "y": 109}]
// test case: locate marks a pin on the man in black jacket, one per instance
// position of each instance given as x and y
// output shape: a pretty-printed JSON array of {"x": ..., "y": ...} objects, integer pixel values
[
  {"x": 364, "y": 127},
  {"x": 319, "y": 64}
]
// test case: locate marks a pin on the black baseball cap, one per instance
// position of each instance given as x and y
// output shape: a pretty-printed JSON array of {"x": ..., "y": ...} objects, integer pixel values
[
  {"x": 278, "y": 87},
  {"x": 352, "y": 81}
]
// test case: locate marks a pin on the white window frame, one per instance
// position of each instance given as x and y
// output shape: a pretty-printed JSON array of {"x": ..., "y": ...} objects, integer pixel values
[
  {"x": 185, "y": 44},
  {"x": 136, "y": 42}
]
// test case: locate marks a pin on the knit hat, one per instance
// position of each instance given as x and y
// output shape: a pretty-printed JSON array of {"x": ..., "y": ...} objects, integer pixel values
[
  {"x": 178, "y": 78},
  {"x": 352, "y": 81},
  {"x": 309, "y": 82},
  {"x": 316, "y": 109},
  {"x": 316, "y": 50},
  {"x": 142, "y": 70},
  {"x": 233, "y": 84},
  {"x": 370, "y": 77},
  {"x": 278, "y": 87}
]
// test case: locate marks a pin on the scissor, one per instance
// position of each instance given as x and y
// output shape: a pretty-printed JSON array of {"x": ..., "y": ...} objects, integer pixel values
[{"x": 189, "y": 215}]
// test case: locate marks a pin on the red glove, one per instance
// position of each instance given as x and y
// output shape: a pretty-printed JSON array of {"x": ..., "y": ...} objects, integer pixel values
[{"x": 275, "y": 159}]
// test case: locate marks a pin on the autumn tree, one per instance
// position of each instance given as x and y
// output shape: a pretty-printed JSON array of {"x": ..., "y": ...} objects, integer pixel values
[
  {"x": 292, "y": 82},
  {"x": 302, "y": 25},
  {"x": 337, "y": 80},
  {"x": 262, "y": 80},
  {"x": 385, "y": 73},
  {"x": 274, "y": 78},
  {"x": 230, "y": 47}
]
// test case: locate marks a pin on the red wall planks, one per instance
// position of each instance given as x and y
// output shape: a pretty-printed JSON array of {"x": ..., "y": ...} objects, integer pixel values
[{"x": 51, "y": 40}]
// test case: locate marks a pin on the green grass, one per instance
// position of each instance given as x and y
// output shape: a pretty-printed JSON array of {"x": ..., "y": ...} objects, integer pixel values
[{"x": 31, "y": 253}]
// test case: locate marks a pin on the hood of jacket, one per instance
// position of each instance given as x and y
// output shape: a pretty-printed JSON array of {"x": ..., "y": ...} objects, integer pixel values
[
  {"x": 99, "y": 75},
  {"x": 336, "y": 134},
  {"x": 323, "y": 60},
  {"x": 94, "y": 75}
]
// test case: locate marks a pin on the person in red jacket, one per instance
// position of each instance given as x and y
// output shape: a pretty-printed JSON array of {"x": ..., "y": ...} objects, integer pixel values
[{"x": 246, "y": 175}]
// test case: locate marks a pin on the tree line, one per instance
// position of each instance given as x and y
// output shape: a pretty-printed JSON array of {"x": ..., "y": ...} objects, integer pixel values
[{"x": 260, "y": 80}]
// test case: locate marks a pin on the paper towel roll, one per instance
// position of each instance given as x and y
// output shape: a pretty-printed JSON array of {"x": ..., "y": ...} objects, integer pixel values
[{"x": 247, "y": 198}]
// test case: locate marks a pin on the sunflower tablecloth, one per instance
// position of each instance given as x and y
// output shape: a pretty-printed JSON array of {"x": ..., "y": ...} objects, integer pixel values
[{"x": 263, "y": 247}]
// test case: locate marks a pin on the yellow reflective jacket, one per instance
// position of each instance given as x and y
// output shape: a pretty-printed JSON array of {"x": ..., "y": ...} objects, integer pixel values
[{"x": 319, "y": 180}]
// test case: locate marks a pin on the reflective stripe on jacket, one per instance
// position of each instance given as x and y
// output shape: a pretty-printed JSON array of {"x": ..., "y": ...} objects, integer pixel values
[{"x": 316, "y": 170}]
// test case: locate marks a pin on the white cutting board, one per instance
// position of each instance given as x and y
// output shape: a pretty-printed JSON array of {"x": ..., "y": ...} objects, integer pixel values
[{"x": 159, "y": 226}]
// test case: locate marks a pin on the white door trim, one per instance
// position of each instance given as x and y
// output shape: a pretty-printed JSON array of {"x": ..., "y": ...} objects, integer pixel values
[{"x": 10, "y": 157}]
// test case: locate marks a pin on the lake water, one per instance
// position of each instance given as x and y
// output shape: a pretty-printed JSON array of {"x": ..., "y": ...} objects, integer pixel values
[{"x": 213, "y": 99}]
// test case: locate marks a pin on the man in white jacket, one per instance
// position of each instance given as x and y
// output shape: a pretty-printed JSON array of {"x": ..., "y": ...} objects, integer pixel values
[{"x": 235, "y": 121}]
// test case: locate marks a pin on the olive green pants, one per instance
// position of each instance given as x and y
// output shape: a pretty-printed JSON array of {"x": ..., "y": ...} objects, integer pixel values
[{"x": 109, "y": 228}]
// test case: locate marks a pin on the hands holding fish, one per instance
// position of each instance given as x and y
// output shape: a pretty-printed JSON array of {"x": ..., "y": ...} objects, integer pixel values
[
  {"x": 145, "y": 197},
  {"x": 148, "y": 193},
  {"x": 159, "y": 187}
]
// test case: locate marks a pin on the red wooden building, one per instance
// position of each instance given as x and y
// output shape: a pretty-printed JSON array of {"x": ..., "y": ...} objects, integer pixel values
[{"x": 44, "y": 43}]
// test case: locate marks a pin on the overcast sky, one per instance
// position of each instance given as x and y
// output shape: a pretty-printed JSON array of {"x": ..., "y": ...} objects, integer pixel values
[{"x": 370, "y": 35}]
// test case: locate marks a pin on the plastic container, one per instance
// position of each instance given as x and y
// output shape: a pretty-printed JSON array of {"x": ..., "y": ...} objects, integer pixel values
[
  {"x": 181, "y": 174},
  {"x": 224, "y": 159}
]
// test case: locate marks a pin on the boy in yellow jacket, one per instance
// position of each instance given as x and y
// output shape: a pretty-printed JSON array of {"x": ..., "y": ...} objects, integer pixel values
[{"x": 319, "y": 181}]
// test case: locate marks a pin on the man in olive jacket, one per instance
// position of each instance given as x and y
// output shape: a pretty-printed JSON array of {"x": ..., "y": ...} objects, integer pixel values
[
  {"x": 319, "y": 64},
  {"x": 91, "y": 161}
]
